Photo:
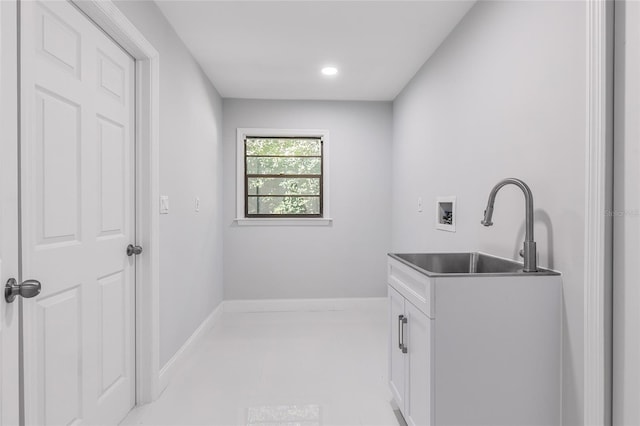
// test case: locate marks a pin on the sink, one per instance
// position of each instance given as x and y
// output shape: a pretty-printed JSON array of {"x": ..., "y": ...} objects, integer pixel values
[{"x": 472, "y": 263}]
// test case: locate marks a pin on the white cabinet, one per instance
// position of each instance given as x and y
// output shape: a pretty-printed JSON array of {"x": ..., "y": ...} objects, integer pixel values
[
  {"x": 478, "y": 350},
  {"x": 410, "y": 360},
  {"x": 397, "y": 359},
  {"x": 419, "y": 366}
]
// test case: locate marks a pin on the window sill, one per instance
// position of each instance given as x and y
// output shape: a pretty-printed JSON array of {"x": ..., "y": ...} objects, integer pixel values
[{"x": 244, "y": 221}]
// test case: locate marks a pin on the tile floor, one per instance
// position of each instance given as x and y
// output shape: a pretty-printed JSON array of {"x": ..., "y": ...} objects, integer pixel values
[{"x": 282, "y": 368}]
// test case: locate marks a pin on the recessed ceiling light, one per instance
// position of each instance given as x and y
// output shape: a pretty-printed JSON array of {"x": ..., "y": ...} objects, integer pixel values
[{"x": 329, "y": 70}]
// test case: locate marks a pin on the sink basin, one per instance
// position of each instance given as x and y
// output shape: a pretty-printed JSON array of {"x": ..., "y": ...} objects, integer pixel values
[{"x": 472, "y": 263}]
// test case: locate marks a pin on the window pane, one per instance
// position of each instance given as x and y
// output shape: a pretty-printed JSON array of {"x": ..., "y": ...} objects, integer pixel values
[
  {"x": 285, "y": 166},
  {"x": 293, "y": 147},
  {"x": 284, "y": 186},
  {"x": 284, "y": 205}
]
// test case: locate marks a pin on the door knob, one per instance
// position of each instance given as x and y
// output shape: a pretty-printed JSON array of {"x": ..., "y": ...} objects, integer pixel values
[
  {"x": 26, "y": 289},
  {"x": 131, "y": 250}
]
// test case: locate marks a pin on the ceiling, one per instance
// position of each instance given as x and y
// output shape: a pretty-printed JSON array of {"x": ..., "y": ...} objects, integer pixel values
[{"x": 276, "y": 49}]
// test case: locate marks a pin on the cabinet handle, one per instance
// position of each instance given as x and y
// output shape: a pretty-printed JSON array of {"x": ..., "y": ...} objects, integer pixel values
[
  {"x": 400, "y": 317},
  {"x": 403, "y": 322}
]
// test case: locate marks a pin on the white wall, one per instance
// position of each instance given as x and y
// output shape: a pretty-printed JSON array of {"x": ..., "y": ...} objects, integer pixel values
[
  {"x": 504, "y": 96},
  {"x": 346, "y": 259},
  {"x": 190, "y": 166}
]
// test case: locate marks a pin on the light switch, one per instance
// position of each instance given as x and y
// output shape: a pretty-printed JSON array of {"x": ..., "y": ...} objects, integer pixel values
[
  {"x": 197, "y": 204},
  {"x": 164, "y": 204},
  {"x": 419, "y": 204}
]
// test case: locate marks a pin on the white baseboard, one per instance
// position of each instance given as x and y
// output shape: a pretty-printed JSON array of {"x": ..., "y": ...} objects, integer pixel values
[
  {"x": 192, "y": 342},
  {"x": 301, "y": 305}
]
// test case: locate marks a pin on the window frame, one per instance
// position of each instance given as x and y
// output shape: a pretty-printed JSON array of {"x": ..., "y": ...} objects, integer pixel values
[
  {"x": 247, "y": 176},
  {"x": 288, "y": 220}
]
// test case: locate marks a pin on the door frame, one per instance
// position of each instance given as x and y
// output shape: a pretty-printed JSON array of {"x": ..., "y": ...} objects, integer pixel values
[
  {"x": 10, "y": 362},
  {"x": 597, "y": 260},
  {"x": 598, "y": 257},
  {"x": 147, "y": 341},
  {"x": 626, "y": 320}
]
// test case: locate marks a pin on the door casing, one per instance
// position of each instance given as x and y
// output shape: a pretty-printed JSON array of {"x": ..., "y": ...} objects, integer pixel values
[
  {"x": 626, "y": 227},
  {"x": 9, "y": 237}
]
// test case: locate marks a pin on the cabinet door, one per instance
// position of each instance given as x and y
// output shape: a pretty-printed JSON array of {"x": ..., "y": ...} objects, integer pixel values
[
  {"x": 419, "y": 372},
  {"x": 396, "y": 357}
]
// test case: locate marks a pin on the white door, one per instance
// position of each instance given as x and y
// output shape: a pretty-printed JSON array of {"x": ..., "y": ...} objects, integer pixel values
[
  {"x": 9, "y": 364},
  {"x": 77, "y": 183},
  {"x": 9, "y": 351},
  {"x": 418, "y": 373},
  {"x": 396, "y": 356}
]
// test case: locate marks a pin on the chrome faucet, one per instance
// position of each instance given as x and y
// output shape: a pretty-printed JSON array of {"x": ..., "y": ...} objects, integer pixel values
[{"x": 529, "y": 249}]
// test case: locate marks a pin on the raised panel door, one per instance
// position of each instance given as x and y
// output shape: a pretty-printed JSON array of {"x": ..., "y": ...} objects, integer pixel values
[
  {"x": 419, "y": 358},
  {"x": 77, "y": 180},
  {"x": 396, "y": 356}
]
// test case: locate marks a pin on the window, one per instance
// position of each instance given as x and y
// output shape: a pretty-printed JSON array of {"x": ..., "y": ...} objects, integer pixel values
[{"x": 281, "y": 175}]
